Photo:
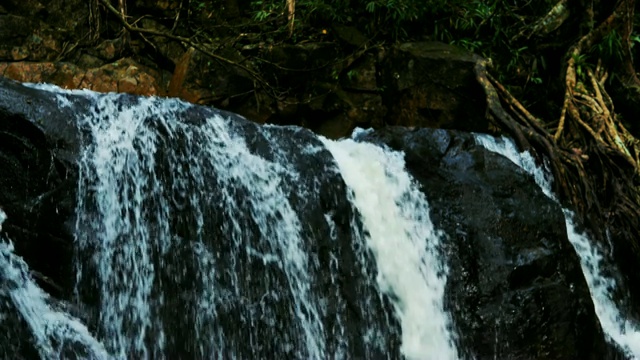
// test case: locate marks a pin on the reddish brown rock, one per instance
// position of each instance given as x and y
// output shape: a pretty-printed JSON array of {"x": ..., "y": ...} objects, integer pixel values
[
  {"x": 100, "y": 79},
  {"x": 127, "y": 85},
  {"x": 67, "y": 76},
  {"x": 148, "y": 85},
  {"x": 29, "y": 72},
  {"x": 123, "y": 76}
]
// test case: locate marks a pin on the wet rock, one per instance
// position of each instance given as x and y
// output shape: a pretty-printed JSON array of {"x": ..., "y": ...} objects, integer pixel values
[
  {"x": 515, "y": 286},
  {"x": 38, "y": 148},
  {"x": 44, "y": 143}
]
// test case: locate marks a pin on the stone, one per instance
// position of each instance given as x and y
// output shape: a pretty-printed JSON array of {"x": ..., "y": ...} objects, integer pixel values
[
  {"x": 515, "y": 286},
  {"x": 29, "y": 72},
  {"x": 19, "y": 53},
  {"x": 361, "y": 75},
  {"x": 432, "y": 84},
  {"x": 39, "y": 174},
  {"x": 350, "y": 35},
  {"x": 100, "y": 79},
  {"x": 109, "y": 50},
  {"x": 128, "y": 85},
  {"x": 14, "y": 29},
  {"x": 88, "y": 61}
]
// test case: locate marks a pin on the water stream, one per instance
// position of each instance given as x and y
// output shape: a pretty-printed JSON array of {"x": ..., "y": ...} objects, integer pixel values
[
  {"x": 616, "y": 327},
  {"x": 47, "y": 324}
]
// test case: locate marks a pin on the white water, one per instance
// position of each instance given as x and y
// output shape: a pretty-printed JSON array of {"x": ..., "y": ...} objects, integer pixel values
[
  {"x": 120, "y": 166},
  {"x": 121, "y": 181},
  {"x": 125, "y": 183},
  {"x": 617, "y": 329},
  {"x": 404, "y": 243},
  {"x": 123, "y": 220},
  {"x": 54, "y": 331},
  {"x": 3, "y": 217}
]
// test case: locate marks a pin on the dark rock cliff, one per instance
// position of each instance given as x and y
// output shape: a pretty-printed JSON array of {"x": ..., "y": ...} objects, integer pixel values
[{"x": 515, "y": 287}]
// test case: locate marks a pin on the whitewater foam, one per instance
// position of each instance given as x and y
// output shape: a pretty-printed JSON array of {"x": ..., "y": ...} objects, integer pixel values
[
  {"x": 56, "y": 334},
  {"x": 404, "y": 243}
]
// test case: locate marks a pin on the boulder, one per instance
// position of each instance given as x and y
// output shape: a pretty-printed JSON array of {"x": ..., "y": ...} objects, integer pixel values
[
  {"x": 515, "y": 286},
  {"x": 38, "y": 150}
]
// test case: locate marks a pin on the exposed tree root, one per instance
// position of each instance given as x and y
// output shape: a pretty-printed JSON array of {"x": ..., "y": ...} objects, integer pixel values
[
  {"x": 596, "y": 164},
  {"x": 528, "y": 133}
]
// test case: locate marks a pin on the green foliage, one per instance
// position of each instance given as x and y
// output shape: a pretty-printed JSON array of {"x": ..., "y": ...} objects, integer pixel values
[
  {"x": 610, "y": 48},
  {"x": 581, "y": 65},
  {"x": 496, "y": 29},
  {"x": 373, "y": 16},
  {"x": 265, "y": 9}
]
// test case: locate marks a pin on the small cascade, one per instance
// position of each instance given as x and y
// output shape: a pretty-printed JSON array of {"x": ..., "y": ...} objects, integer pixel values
[
  {"x": 44, "y": 324},
  {"x": 404, "y": 243},
  {"x": 204, "y": 171},
  {"x": 199, "y": 234},
  {"x": 616, "y": 327}
]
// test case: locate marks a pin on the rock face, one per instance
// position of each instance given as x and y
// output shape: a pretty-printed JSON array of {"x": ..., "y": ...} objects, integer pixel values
[
  {"x": 515, "y": 286},
  {"x": 432, "y": 84},
  {"x": 125, "y": 76},
  {"x": 38, "y": 151}
]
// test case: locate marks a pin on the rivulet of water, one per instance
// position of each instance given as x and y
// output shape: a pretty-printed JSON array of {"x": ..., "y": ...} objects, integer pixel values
[
  {"x": 404, "y": 242},
  {"x": 54, "y": 333},
  {"x": 616, "y": 327}
]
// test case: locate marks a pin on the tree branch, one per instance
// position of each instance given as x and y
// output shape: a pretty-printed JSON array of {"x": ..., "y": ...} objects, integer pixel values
[{"x": 190, "y": 43}]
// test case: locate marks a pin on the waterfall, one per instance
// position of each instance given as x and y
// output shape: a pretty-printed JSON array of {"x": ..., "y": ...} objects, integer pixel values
[
  {"x": 53, "y": 332},
  {"x": 404, "y": 243},
  {"x": 616, "y": 327},
  {"x": 201, "y": 234}
]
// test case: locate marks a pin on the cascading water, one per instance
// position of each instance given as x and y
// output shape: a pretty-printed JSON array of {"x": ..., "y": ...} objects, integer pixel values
[
  {"x": 396, "y": 216},
  {"x": 53, "y": 333},
  {"x": 210, "y": 237},
  {"x": 202, "y": 235},
  {"x": 618, "y": 330}
]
